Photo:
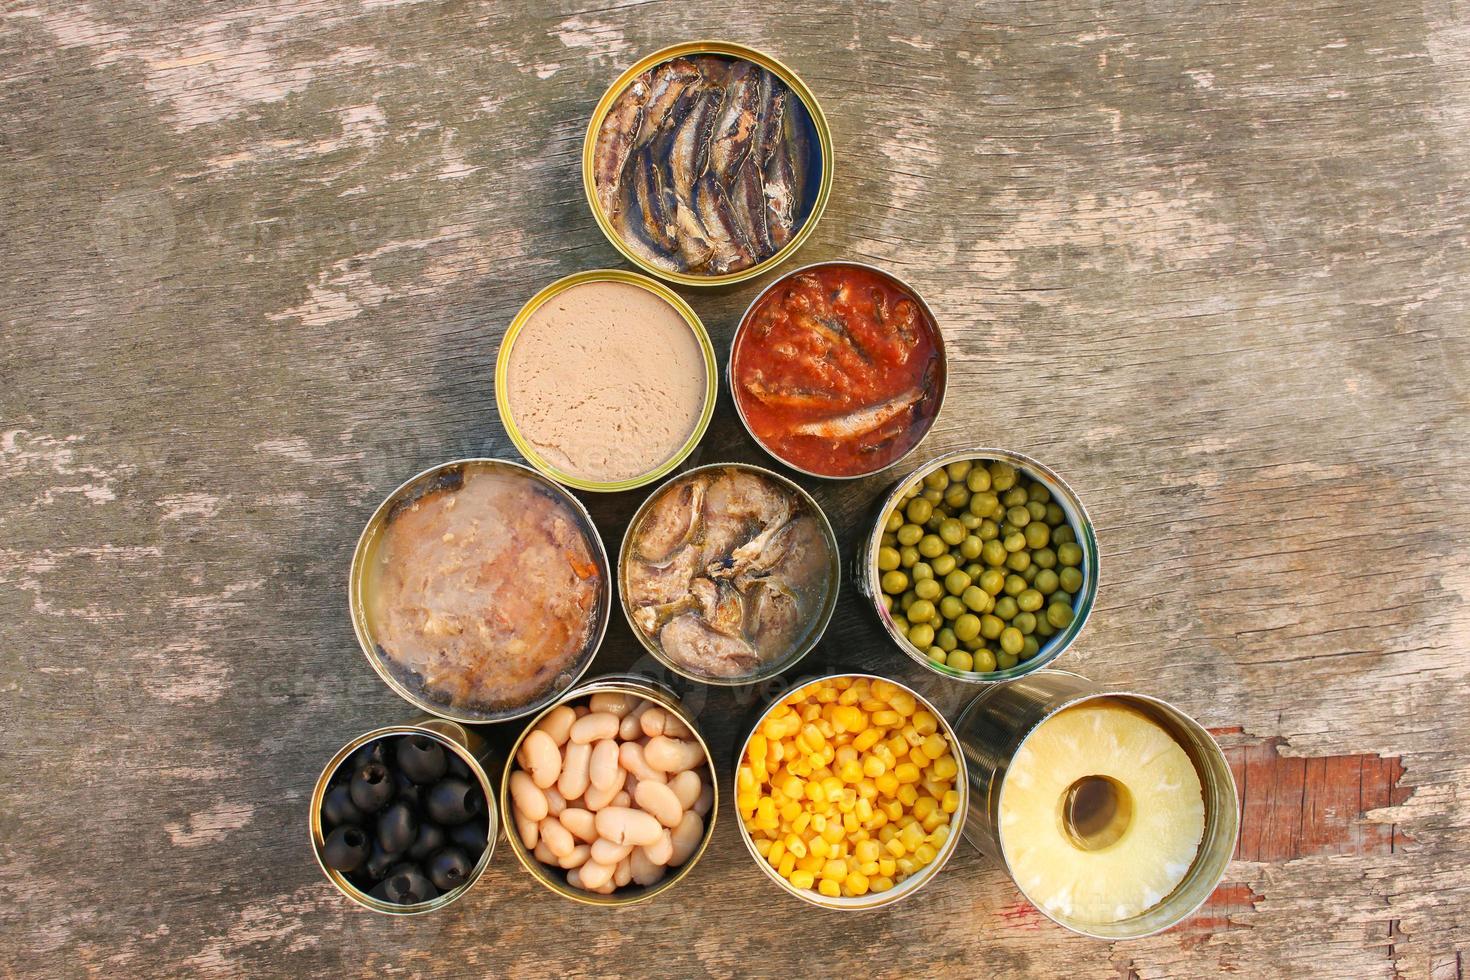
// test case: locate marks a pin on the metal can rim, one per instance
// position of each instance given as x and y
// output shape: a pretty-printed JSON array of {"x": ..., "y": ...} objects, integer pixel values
[
  {"x": 358, "y": 612},
  {"x": 867, "y": 572},
  {"x": 829, "y": 608},
  {"x": 740, "y": 331},
  {"x": 957, "y": 819},
  {"x": 663, "y": 292},
  {"x": 318, "y": 838},
  {"x": 649, "y": 690},
  {"x": 792, "y": 81}
]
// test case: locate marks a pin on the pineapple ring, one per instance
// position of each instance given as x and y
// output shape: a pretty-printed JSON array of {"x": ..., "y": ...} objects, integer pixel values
[{"x": 1056, "y": 865}]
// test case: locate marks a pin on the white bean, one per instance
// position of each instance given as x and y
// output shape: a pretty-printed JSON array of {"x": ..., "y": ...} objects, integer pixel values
[
  {"x": 630, "y": 755},
  {"x": 674, "y": 727},
  {"x": 624, "y": 798},
  {"x": 543, "y": 758},
  {"x": 529, "y": 830},
  {"x": 624, "y": 872},
  {"x": 612, "y": 702},
  {"x": 574, "y": 877},
  {"x": 660, "y": 850},
  {"x": 555, "y": 802},
  {"x": 597, "y": 797},
  {"x": 557, "y": 723},
  {"x": 543, "y": 853},
  {"x": 595, "y": 875},
  {"x": 686, "y": 838},
  {"x": 576, "y": 859},
  {"x": 603, "y": 767},
  {"x": 625, "y": 825},
  {"x": 594, "y": 727},
  {"x": 653, "y": 722},
  {"x": 573, "y": 780},
  {"x": 558, "y": 838},
  {"x": 580, "y": 822},
  {"x": 645, "y": 872},
  {"x": 605, "y": 851},
  {"x": 529, "y": 799},
  {"x": 629, "y": 727},
  {"x": 687, "y": 787},
  {"x": 672, "y": 755},
  {"x": 705, "y": 801},
  {"x": 659, "y": 802}
]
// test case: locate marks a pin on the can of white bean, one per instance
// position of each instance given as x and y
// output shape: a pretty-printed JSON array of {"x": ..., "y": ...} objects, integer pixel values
[{"x": 610, "y": 794}]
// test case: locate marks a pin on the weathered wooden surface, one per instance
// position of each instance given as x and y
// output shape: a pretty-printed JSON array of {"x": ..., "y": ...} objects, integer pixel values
[{"x": 1207, "y": 259}]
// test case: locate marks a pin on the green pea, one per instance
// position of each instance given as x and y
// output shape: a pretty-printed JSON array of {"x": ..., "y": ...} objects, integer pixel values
[
  {"x": 1069, "y": 553},
  {"x": 1018, "y": 516},
  {"x": 1025, "y": 622},
  {"x": 901, "y": 623},
  {"x": 935, "y": 497},
  {"x": 935, "y": 519},
  {"x": 887, "y": 559},
  {"x": 974, "y": 569},
  {"x": 993, "y": 580},
  {"x": 1038, "y": 491},
  {"x": 894, "y": 522},
  {"x": 946, "y": 640},
  {"x": 1030, "y": 600},
  {"x": 1014, "y": 541},
  {"x": 960, "y": 469},
  {"x": 944, "y": 564},
  {"x": 1029, "y": 573},
  {"x": 991, "y": 626},
  {"x": 1019, "y": 561},
  {"x": 930, "y": 546},
  {"x": 887, "y": 600},
  {"x": 1014, "y": 585},
  {"x": 984, "y": 661},
  {"x": 978, "y": 480},
  {"x": 906, "y": 600},
  {"x": 956, "y": 497},
  {"x": 967, "y": 626},
  {"x": 936, "y": 655},
  {"x": 1005, "y": 661},
  {"x": 956, "y": 582},
  {"x": 989, "y": 530},
  {"x": 1014, "y": 497},
  {"x": 1029, "y": 648},
  {"x": 951, "y": 532},
  {"x": 921, "y": 611},
  {"x": 1006, "y": 608},
  {"x": 922, "y": 570},
  {"x": 970, "y": 547},
  {"x": 951, "y": 607},
  {"x": 1002, "y": 475},
  {"x": 1044, "y": 628},
  {"x": 1059, "y": 615},
  {"x": 1044, "y": 558},
  {"x": 888, "y": 540},
  {"x": 894, "y": 582},
  {"x": 976, "y": 598},
  {"x": 984, "y": 504},
  {"x": 970, "y": 521},
  {"x": 960, "y": 660},
  {"x": 909, "y": 534},
  {"x": 1011, "y": 640},
  {"x": 921, "y": 635},
  {"x": 937, "y": 479},
  {"x": 1036, "y": 509},
  {"x": 1046, "y": 581},
  {"x": 993, "y": 553},
  {"x": 928, "y": 589},
  {"x": 1063, "y": 534},
  {"x": 1037, "y": 535},
  {"x": 912, "y": 490},
  {"x": 1055, "y": 516},
  {"x": 1070, "y": 579},
  {"x": 918, "y": 510}
]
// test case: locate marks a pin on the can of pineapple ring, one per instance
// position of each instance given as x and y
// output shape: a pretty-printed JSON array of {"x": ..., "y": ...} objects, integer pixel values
[{"x": 994, "y": 726}]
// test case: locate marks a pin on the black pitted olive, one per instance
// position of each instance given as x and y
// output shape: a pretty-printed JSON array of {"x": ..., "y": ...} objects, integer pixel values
[
  {"x": 456, "y": 766},
  {"x": 409, "y": 791},
  {"x": 431, "y": 838},
  {"x": 372, "y": 787},
  {"x": 449, "y": 868},
  {"x": 374, "y": 751},
  {"x": 421, "y": 758},
  {"x": 398, "y": 827},
  {"x": 472, "y": 835},
  {"x": 406, "y": 884},
  {"x": 338, "y": 808},
  {"x": 378, "y": 862},
  {"x": 346, "y": 848},
  {"x": 453, "y": 801}
]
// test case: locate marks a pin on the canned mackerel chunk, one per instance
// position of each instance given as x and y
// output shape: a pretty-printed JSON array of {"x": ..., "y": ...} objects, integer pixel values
[
  {"x": 1114, "y": 812},
  {"x": 707, "y": 163}
]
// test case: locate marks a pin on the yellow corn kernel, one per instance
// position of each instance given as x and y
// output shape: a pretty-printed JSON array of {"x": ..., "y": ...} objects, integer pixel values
[
  {"x": 950, "y": 801},
  {"x": 907, "y": 866},
  {"x": 896, "y": 848},
  {"x": 758, "y": 770},
  {"x": 747, "y": 801},
  {"x": 934, "y": 745},
  {"x": 850, "y": 823},
  {"x": 844, "y": 755},
  {"x": 903, "y": 702},
  {"x": 893, "y": 808},
  {"x": 924, "y": 806},
  {"x": 886, "y": 834},
  {"x": 867, "y": 790},
  {"x": 829, "y": 888},
  {"x": 867, "y": 738},
  {"x": 803, "y": 879},
  {"x": 790, "y": 810},
  {"x": 776, "y": 851},
  {"x": 924, "y": 854},
  {"x": 934, "y": 821},
  {"x": 907, "y": 772},
  {"x": 887, "y": 784},
  {"x": 884, "y": 689},
  {"x": 925, "y": 722},
  {"x": 863, "y": 809},
  {"x": 833, "y": 786},
  {"x": 811, "y": 712},
  {"x": 887, "y": 867},
  {"x": 833, "y": 833},
  {"x": 849, "y": 719},
  {"x": 763, "y": 847},
  {"x": 758, "y": 746},
  {"x": 887, "y": 718},
  {"x": 912, "y": 736},
  {"x": 799, "y": 767},
  {"x": 873, "y": 767},
  {"x": 850, "y": 771},
  {"x": 745, "y": 780},
  {"x": 905, "y": 820},
  {"x": 819, "y": 847},
  {"x": 795, "y": 845},
  {"x": 868, "y": 850},
  {"x": 772, "y": 727},
  {"x": 936, "y": 789},
  {"x": 765, "y": 810},
  {"x": 827, "y": 693},
  {"x": 878, "y": 820},
  {"x": 896, "y": 746},
  {"x": 836, "y": 869},
  {"x": 787, "y": 865},
  {"x": 811, "y": 864},
  {"x": 911, "y": 837},
  {"x": 868, "y": 868},
  {"x": 945, "y": 767},
  {"x": 856, "y": 884},
  {"x": 939, "y": 835},
  {"x": 880, "y": 884},
  {"x": 792, "y": 786}
]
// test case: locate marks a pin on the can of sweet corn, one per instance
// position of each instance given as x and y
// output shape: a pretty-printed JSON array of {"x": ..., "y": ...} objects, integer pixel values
[
  {"x": 995, "y": 725},
  {"x": 753, "y": 776}
]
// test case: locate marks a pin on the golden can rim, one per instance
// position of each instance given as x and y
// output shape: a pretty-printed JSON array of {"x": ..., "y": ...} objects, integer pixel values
[
  {"x": 358, "y": 612},
  {"x": 318, "y": 838},
  {"x": 829, "y": 608},
  {"x": 680, "y": 305},
  {"x": 786, "y": 276},
  {"x": 868, "y": 575},
  {"x": 957, "y": 820},
  {"x": 619, "y": 684},
  {"x": 1228, "y": 815},
  {"x": 731, "y": 49}
]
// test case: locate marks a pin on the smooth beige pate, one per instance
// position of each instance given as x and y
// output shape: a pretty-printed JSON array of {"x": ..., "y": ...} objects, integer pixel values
[{"x": 606, "y": 381}]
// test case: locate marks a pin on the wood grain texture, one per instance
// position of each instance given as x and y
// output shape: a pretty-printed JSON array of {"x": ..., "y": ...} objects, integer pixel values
[{"x": 1209, "y": 260}]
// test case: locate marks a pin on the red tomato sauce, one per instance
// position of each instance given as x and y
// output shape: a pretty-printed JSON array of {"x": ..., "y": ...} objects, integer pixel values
[{"x": 838, "y": 370}]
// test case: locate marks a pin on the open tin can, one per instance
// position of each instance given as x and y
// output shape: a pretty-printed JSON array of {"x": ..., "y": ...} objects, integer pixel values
[
  {"x": 814, "y": 188},
  {"x": 911, "y": 884},
  {"x": 994, "y": 726},
  {"x": 464, "y": 744},
  {"x": 868, "y": 576},
  {"x": 818, "y": 622},
  {"x": 555, "y": 878},
  {"x": 447, "y": 477},
  {"x": 502, "y": 377}
]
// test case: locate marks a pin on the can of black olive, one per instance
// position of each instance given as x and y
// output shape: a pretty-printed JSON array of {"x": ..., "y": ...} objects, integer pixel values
[
  {"x": 640, "y": 690},
  {"x": 474, "y": 755},
  {"x": 715, "y": 110},
  {"x": 995, "y": 726}
]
